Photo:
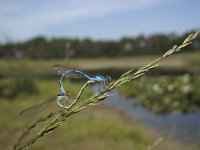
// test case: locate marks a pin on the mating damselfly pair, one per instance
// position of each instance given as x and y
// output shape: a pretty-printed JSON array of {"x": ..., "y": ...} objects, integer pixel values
[{"x": 69, "y": 73}]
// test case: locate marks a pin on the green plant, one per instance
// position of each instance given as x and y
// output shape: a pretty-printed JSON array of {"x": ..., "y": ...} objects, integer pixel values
[
  {"x": 23, "y": 84},
  {"x": 61, "y": 117},
  {"x": 164, "y": 94}
]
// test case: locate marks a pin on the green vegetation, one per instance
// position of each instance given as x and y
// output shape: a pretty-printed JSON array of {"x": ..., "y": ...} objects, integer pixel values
[
  {"x": 99, "y": 127},
  {"x": 163, "y": 94},
  {"x": 60, "y": 48},
  {"x": 42, "y": 68},
  {"x": 23, "y": 83},
  {"x": 20, "y": 84},
  {"x": 93, "y": 128},
  {"x": 61, "y": 117}
]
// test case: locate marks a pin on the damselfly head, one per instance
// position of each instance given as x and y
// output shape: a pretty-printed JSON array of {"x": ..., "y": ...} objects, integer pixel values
[{"x": 66, "y": 94}]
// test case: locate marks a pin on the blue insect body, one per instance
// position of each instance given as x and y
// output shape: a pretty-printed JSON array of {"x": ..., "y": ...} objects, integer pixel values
[
  {"x": 74, "y": 73},
  {"x": 71, "y": 73}
]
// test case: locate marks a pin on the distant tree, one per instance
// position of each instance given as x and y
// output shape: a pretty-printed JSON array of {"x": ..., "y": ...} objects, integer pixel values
[
  {"x": 36, "y": 47},
  {"x": 60, "y": 48}
]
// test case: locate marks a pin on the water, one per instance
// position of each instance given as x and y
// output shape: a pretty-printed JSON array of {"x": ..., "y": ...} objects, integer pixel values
[{"x": 183, "y": 127}]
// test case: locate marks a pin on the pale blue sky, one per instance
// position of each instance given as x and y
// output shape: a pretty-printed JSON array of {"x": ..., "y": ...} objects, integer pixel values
[{"x": 97, "y": 19}]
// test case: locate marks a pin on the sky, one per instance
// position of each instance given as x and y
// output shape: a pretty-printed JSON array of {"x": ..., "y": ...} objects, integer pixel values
[{"x": 21, "y": 20}]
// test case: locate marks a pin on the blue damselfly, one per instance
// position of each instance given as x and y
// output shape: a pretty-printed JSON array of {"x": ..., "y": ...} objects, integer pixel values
[{"x": 75, "y": 73}]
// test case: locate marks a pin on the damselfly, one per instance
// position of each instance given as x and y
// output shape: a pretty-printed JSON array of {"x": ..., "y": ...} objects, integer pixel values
[
  {"x": 71, "y": 73},
  {"x": 74, "y": 73}
]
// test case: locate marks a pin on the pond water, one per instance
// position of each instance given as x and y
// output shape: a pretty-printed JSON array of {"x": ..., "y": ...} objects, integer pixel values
[{"x": 183, "y": 127}]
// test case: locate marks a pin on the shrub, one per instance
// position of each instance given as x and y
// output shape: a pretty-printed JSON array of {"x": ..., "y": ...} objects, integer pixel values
[{"x": 23, "y": 84}]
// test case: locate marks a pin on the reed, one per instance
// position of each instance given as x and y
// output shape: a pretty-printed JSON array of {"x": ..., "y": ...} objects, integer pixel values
[{"x": 60, "y": 117}]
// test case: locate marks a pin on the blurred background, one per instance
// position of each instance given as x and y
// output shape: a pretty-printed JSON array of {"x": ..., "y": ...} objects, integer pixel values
[{"x": 107, "y": 38}]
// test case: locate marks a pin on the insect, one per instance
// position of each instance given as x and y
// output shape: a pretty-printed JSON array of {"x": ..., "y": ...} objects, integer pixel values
[
  {"x": 74, "y": 73},
  {"x": 39, "y": 107},
  {"x": 71, "y": 73}
]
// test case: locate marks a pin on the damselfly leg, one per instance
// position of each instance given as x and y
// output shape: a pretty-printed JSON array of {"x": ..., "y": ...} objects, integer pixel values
[{"x": 104, "y": 81}]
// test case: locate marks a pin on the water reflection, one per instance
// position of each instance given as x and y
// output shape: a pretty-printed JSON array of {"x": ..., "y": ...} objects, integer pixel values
[{"x": 183, "y": 127}]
